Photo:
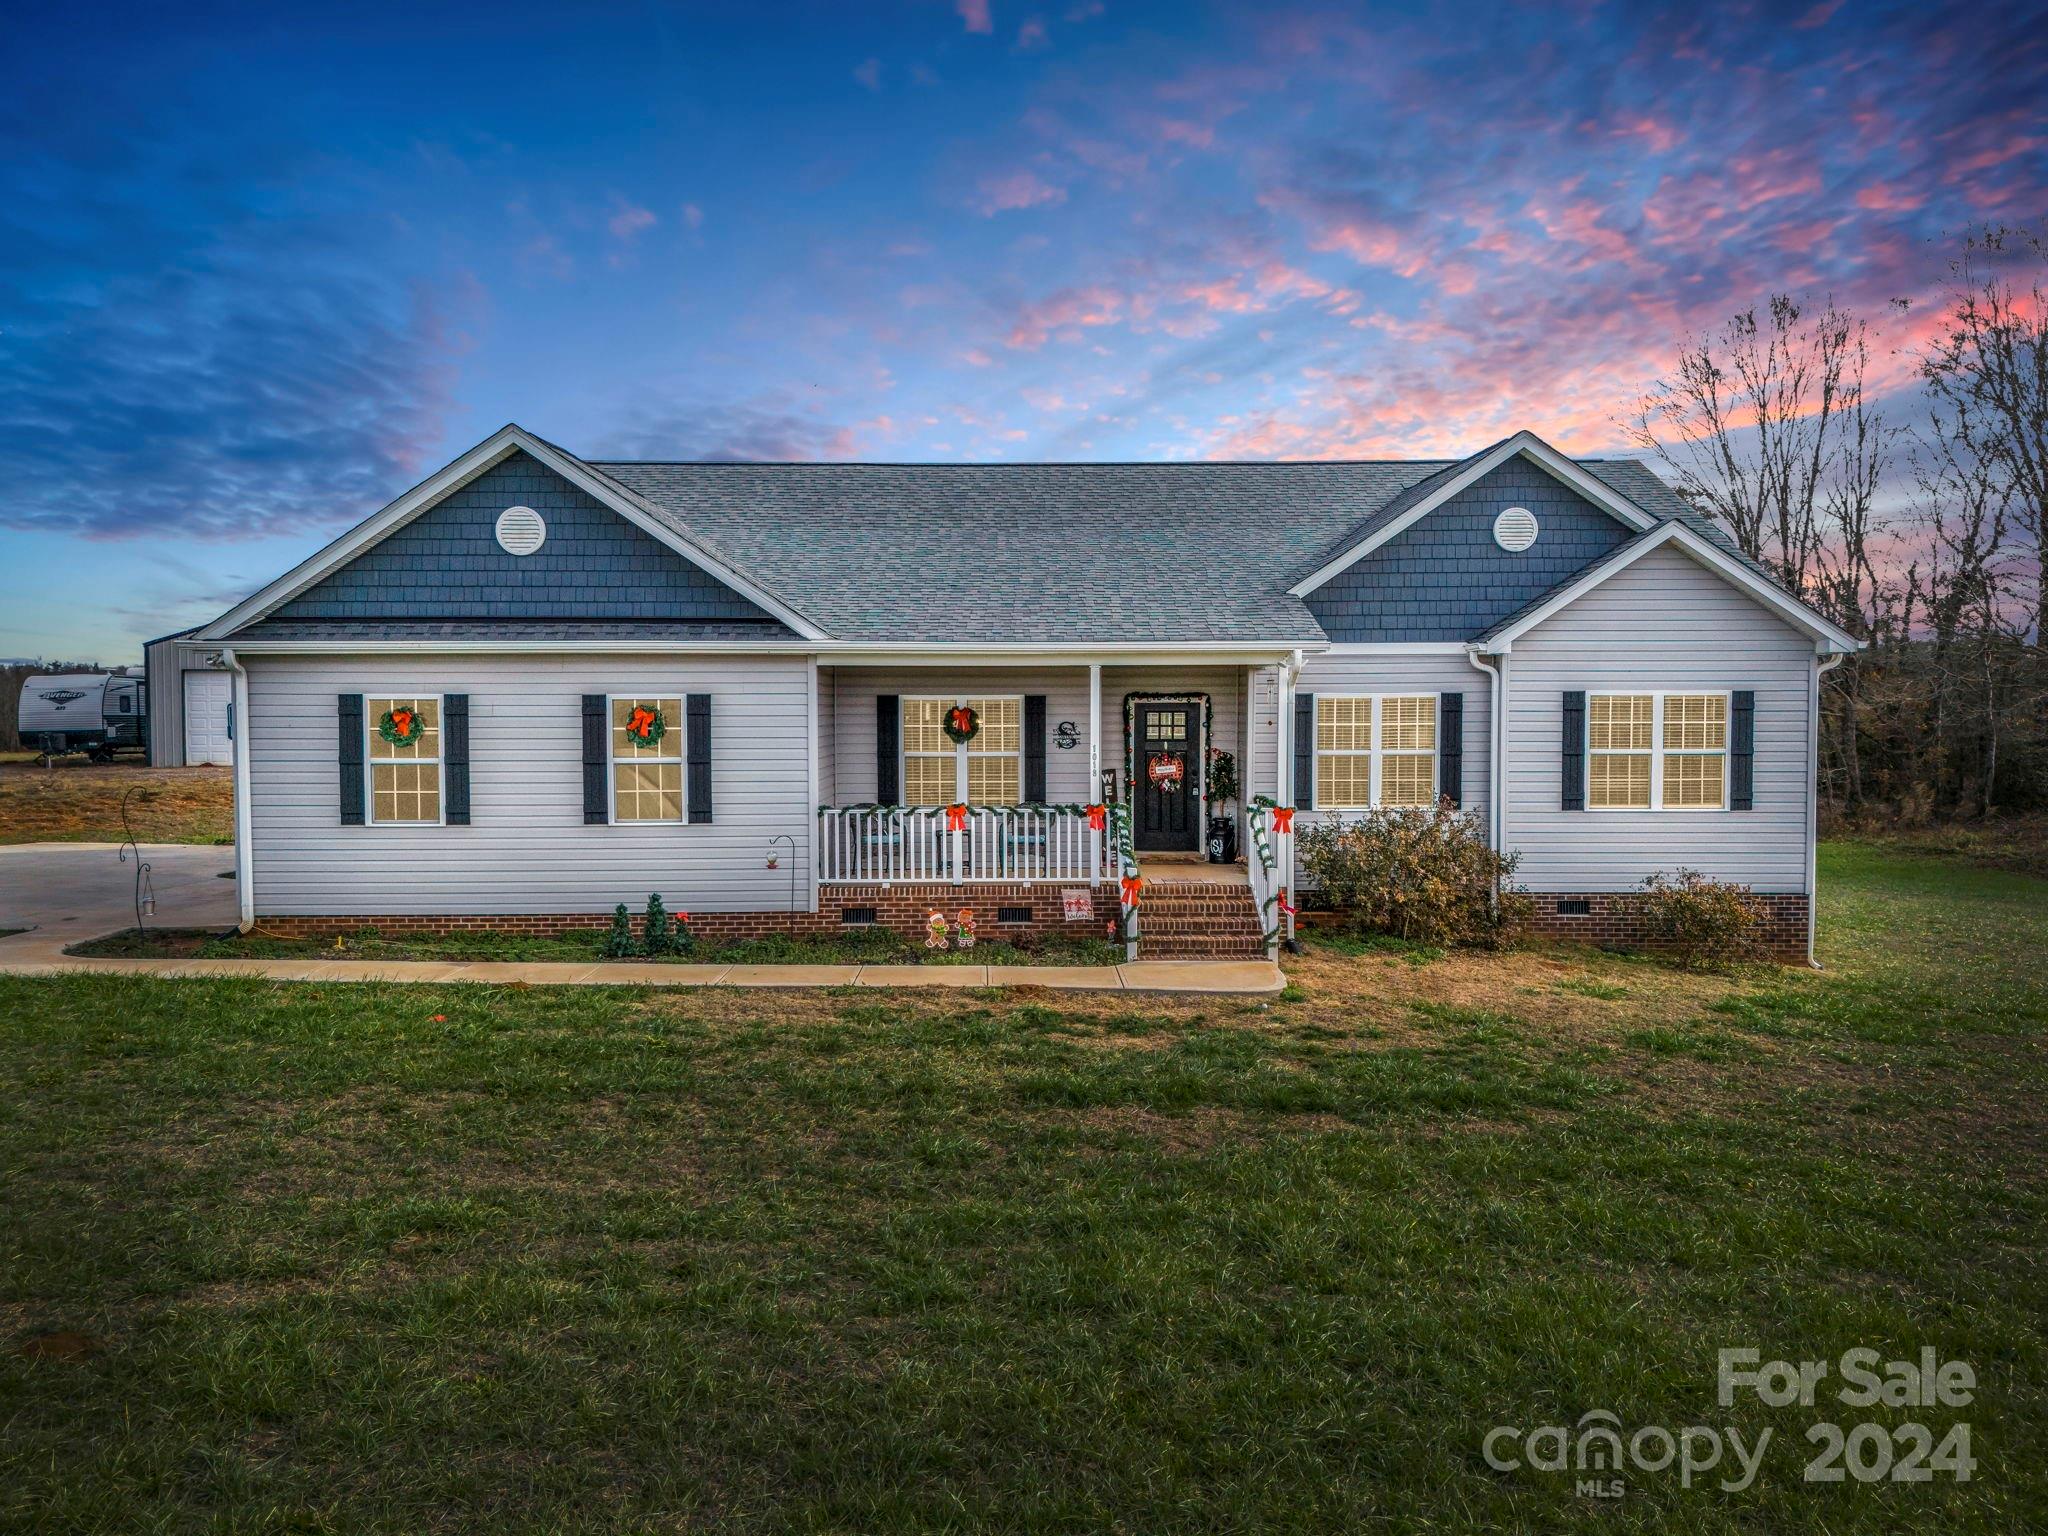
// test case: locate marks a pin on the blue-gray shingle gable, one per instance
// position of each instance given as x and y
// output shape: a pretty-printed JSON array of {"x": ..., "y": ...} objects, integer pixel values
[
  {"x": 1444, "y": 578},
  {"x": 446, "y": 564}
]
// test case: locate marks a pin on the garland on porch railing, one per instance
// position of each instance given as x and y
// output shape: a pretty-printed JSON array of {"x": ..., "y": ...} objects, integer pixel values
[{"x": 1275, "y": 903}]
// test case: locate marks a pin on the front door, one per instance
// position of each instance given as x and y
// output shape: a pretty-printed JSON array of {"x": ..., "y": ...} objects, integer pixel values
[{"x": 1168, "y": 773}]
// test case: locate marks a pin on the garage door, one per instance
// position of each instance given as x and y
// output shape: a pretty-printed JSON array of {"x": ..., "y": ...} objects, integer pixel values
[{"x": 206, "y": 717}]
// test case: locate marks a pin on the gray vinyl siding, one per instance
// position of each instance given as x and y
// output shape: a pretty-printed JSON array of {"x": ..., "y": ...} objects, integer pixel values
[
  {"x": 1411, "y": 674},
  {"x": 1262, "y": 695},
  {"x": 1664, "y": 624},
  {"x": 853, "y": 719},
  {"x": 1446, "y": 579},
  {"x": 446, "y": 563},
  {"x": 527, "y": 848}
]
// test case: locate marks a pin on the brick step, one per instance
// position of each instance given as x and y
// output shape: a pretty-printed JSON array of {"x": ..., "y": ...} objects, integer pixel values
[
  {"x": 1151, "y": 947},
  {"x": 1154, "y": 923},
  {"x": 1199, "y": 920}
]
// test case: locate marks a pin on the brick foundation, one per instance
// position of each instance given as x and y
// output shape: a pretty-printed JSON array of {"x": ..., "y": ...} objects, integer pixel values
[
  {"x": 1609, "y": 923},
  {"x": 903, "y": 907}
]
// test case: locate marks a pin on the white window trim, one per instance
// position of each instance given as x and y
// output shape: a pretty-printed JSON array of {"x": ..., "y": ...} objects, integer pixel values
[
  {"x": 1376, "y": 751},
  {"x": 677, "y": 729},
  {"x": 439, "y": 760},
  {"x": 960, "y": 749},
  {"x": 1657, "y": 751}
]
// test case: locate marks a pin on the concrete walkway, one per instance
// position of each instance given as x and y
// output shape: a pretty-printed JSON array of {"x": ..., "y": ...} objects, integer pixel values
[{"x": 65, "y": 893}]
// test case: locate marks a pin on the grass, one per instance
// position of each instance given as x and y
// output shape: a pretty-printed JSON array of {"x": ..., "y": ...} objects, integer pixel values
[
  {"x": 397, "y": 1259},
  {"x": 75, "y": 801},
  {"x": 859, "y": 946}
]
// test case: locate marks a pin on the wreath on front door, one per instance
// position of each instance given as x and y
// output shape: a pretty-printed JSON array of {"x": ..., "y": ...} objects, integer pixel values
[
  {"x": 401, "y": 727},
  {"x": 1166, "y": 770},
  {"x": 963, "y": 724},
  {"x": 646, "y": 725}
]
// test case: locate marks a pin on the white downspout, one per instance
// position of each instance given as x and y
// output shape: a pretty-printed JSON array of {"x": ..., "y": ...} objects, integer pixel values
[
  {"x": 1493, "y": 740},
  {"x": 245, "y": 852},
  {"x": 814, "y": 783},
  {"x": 1813, "y": 805}
]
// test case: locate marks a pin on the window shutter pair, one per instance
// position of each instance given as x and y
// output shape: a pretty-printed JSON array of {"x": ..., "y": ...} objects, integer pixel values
[
  {"x": 1741, "y": 750},
  {"x": 889, "y": 748},
  {"x": 354, "y": 752},
  {"x": 696, "y": 757}
]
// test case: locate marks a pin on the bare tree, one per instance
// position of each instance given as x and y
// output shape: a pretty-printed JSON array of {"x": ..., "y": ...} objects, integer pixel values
[
  {"x": 1989, "y": 370},
  {"x": 1765, "y": 424}
]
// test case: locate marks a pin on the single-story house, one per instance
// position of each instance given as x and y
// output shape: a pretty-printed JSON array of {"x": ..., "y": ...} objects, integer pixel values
[{"x": 791, "y": 697}]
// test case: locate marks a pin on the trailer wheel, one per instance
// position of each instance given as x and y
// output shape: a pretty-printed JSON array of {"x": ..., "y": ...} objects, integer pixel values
[{"x": 99, "y": 755}]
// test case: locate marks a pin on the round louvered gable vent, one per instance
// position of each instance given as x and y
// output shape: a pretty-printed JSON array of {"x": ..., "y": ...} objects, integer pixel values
[
  {"x": 1515, "y": 529},
  {"x": 521, "y": 531}
]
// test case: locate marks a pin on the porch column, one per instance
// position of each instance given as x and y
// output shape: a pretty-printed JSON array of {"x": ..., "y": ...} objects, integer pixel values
[
  {"x": 1094, "y": 761},
  {"x": 814, "y": 777}
]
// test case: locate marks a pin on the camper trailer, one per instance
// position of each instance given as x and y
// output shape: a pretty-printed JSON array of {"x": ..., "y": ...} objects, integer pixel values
[{"x": 92, "y": 712}]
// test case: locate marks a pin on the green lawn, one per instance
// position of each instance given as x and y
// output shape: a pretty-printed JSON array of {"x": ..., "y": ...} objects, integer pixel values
[{"x": 333, "y": 1258}]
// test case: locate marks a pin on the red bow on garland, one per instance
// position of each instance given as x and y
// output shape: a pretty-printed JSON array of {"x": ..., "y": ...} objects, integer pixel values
[
  {"x": 640, "y": 724},
  {"x": 956, "y": 818},
  {"x": 1132, "y": 884},
  {"x": 1098, "y": 815},
  {"x": 1283, "y": 818},
  {"x": 403, "y": 719},
  {"x": 1283, "y": 902}
]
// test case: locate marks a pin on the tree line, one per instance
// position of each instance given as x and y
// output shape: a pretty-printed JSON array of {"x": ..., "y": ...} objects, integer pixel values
[{"x": 1916, "y": 525}]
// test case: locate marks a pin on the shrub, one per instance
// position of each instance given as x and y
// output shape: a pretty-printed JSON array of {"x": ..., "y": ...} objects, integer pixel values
[
  {"x": 1703, "y": 922},
  {"x": 1427, "y": 876},
  {"x": 657, "y": 934},
  {"x": 620, "y": 943}
]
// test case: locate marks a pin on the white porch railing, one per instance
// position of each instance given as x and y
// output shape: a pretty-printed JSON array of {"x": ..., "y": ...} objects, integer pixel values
[{"x": 1021, "y": 844}]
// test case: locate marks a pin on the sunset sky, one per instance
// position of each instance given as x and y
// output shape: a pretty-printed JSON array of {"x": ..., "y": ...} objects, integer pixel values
[{"x": 260, "y": 270}]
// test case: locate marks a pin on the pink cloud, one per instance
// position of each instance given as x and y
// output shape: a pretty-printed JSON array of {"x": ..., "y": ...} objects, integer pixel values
[
  {"x": 629, "y": 220},
  {"x": 1032, "y": 35},
  {"x": 1018, "y": 189},
  {"x": 1069, "y": 309},
  {"x": 975, "y": 14},
  {"x": 869, "y": 73}
]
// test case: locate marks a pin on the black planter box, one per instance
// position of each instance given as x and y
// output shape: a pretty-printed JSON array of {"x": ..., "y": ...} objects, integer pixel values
[{"x": 1222, "y": 839}]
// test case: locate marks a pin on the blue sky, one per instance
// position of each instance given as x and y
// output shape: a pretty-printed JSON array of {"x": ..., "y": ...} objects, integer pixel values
[{"x": 262, "y": 268}]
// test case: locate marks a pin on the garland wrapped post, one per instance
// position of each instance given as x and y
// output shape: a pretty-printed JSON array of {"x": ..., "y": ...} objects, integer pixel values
[{"x": 1274, "y": 910}]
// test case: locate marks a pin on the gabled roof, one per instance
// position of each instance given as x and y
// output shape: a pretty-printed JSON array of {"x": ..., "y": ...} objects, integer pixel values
[
  {"x": 1404, "y": 511},
  {"x": 1729, "y": 566},
  {"x": 1170, "y": 555},
  {"x": 506, "y": 441}
]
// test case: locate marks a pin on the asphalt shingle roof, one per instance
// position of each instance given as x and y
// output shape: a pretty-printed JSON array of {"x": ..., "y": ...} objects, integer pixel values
[
  {"x": 1034, "y": 553},
  {"x": 626, "y": 631}
]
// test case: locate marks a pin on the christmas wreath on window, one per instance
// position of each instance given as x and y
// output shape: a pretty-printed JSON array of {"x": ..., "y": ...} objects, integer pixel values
[
  {"x": 962, "y": 725},
  {"x": 401, "y": 727},
  {"x": 646, "y": 725}
]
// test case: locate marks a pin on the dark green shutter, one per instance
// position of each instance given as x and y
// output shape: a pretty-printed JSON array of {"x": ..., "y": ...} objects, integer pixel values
[
  {"x": 455, "y": 759},
  {"x": 888, "y": 736},
  {"x": 1574, "y": 748},
  {"x": 1450, "y": 747},
  {"x": 1034, "y": 749},
  {"x": 1742, "y": 751},
  {"x": 596, "y": 730},
  {"x": 1305, "y": 751},
  {"x": 697, "y": 762},
  {"x": 349, "y": 718}
]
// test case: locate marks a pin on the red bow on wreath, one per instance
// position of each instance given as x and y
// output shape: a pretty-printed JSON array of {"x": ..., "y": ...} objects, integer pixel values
[
  {"x": 401, "y": 721},
  {"x": 1283, "y": 818},
  {"x": 963, "y": 718},
  {"x": 1132, "y": 884},
  {"x": 956, "y": 818},
  {"x": 640, "y": 723},
  {"x": 1098, "y": 815}
]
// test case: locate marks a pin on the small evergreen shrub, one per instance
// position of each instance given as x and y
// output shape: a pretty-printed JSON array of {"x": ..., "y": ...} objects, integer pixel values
[
  {"x": 619, "y": 944},
  {"x": 1425, "y": 875},
  {"x": 657, "y": 933},
  {"x": 1703, "y": 922}
]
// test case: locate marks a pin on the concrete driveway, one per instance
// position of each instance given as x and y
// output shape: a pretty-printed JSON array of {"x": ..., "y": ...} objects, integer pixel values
[{"x": 65, "y": 892}]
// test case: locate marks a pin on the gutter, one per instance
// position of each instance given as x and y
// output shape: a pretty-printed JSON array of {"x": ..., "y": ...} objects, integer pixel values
[
  {"x": 1496, "y": 787},
  {"x": 245, "y": 889},
  {"x": 1813, "y": 806}
]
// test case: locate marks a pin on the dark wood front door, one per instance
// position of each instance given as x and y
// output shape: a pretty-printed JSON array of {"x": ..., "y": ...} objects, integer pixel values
[{"x": 1168, "y": 809}]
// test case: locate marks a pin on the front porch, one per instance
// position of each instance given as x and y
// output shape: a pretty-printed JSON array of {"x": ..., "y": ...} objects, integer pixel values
[{"x": 1083, "y": 792}]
